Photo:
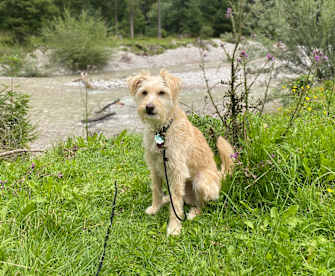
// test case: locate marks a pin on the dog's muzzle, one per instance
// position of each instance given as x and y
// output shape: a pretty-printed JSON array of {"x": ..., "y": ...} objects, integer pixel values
[{"x": 149, "y": 109}]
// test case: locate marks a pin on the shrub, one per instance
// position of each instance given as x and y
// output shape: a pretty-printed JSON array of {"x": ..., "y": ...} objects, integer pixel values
[
  {"x": 15, "y": 128},
  {"x": 78, "y": 43},
  {"x": 11, "y": 64},
  {"x": 304, "y": 26},
  {"x": 206, "y": 31}
]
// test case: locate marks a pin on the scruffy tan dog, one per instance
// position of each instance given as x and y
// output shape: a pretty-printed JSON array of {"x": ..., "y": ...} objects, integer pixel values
[{"x": 191, "y": 169}]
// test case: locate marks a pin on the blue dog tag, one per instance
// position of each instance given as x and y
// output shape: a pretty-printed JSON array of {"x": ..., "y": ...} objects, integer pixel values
[{"x": 159, "y": 140}]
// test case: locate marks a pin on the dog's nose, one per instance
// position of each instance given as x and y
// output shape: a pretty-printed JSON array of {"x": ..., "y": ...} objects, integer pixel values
[{"x": 149, "y": 109}]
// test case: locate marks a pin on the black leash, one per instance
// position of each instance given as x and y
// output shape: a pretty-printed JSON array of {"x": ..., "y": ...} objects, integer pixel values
[
  {"x": 160, "y": 142},
  {"x": 108, "y": 231},
  {"x": 168, "y": 186}
]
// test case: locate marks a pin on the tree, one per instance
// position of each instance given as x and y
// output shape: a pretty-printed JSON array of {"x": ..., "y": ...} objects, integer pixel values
[
  {"x": 132, "y": 5},
  {"x": 115, "y": 15},
  {"x": 25, "y": 17},
  {"x": 214, "y": 15},
  {"x": 159, "y": 20},
  {"x": 193, "y": 18}
]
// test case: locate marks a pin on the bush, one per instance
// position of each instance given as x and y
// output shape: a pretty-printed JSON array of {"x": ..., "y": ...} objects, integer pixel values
[
  {"x": 11, "y": 63},
  {"x": 78, "y": 43},
  {"x": 303, "y": 25},
  {"x": 206, "y": 31},
  {"x": 268, "y": 172},
  {"x": 15, "y": 129}
]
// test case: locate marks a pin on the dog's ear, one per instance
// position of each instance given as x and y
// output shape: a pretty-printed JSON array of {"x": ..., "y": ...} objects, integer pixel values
[
  {"x": 135, "y": 82},
  {"x": 172, "y": 82}
]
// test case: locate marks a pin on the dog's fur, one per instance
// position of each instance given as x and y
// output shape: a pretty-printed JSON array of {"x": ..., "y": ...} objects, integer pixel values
[{"x": 192, "y": 172}]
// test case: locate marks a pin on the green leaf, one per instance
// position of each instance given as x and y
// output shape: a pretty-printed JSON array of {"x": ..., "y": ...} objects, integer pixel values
[
  {"x": 289, "y": 213},
  {"x": 274, "y": 212},
  {"x": 249, "y": 223}
]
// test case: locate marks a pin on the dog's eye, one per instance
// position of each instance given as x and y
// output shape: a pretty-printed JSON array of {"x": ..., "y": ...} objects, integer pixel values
[
  {"x": 144, "y": 93},
  {"x": 161, "y": 93}
]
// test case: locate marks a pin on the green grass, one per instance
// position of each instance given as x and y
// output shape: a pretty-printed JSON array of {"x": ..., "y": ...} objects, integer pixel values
[{"x": 275, "y": 215}]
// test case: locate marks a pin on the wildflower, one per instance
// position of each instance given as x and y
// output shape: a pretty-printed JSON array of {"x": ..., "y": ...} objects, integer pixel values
[
  {"x": 325, "y": 58},
  {"x": 315, "y": 52},
  {"x": 322, "y": 89},
  {"x": 2, "y": 182},
  {"x": 229, "y": 12},
  {"x": 32, "y": 165},
  {"x": 243, "y": 54},
  {"x": 234, "y": 155},
  {"x": 308, "y": 87},
  {"x": 317, "y": 58},
  {"x": 330, "y": 190},
  {"x": 307, "y": 98},
  {"x": 325, "y": 112},
  {"x": 294, "y": 90},
  {"x": 315, "y": 97},
  {"x": 60, "y": 175},
  {"x": 309, "y": 108},
  {"x": 270, "y": 57},
  {"x": 284, "y": 87}
]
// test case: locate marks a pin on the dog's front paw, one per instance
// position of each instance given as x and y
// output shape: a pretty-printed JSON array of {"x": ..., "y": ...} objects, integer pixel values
[
  {"x": 174, "y": 228},
  {"x": 152, "y": 210}
]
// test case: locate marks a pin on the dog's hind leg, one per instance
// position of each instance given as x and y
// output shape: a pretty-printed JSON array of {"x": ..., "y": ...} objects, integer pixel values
[
  {"x": 206, "y": 185},
  {"x": 190, "y": 198}
]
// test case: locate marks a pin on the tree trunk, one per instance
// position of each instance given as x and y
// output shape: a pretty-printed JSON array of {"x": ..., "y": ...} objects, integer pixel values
[
  {"x": 115, "y": 16},
  {"x": 159, "y": 20},
  {"x": 131, "y": 19}
]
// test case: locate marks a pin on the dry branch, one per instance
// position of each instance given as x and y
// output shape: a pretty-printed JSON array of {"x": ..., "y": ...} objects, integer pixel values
[{"x": 18, "y": 151}]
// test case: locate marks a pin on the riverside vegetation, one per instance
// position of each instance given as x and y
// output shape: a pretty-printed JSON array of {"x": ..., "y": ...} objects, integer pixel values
[{"x": 275, "y": 214}]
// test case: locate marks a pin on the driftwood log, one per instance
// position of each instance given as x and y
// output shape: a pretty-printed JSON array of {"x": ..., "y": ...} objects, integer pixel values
[{"x": 18, "y": 151}]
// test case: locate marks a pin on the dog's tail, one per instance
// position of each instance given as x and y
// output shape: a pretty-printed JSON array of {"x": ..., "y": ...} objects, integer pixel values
[{"x": 225, "y": 151}]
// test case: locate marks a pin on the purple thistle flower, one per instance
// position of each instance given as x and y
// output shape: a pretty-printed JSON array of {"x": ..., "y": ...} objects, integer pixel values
[
  {"x": 325, "y": 58},
  {"x": 315, "y": 52},
  {"x": 270, "y": 57},
  {"x": 317, "y": 58},
  {"x": 234, "y": 155},
  {"x": 229, "y": 12},
  {"x": 244, "y": 54}
]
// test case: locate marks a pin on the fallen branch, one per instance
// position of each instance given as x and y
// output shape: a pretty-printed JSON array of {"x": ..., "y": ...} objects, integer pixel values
[
  {"x": 18, "y": 151},
  {"x": 100, "y": 118},
  {"x": 117, "y": 101}
]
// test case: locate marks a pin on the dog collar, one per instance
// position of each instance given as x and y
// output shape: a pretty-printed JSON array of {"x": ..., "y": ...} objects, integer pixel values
[{"x": 160, "y": 134}]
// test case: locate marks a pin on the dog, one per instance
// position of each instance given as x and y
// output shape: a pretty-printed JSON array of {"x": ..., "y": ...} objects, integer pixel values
[{"x": 191, "y": 170}]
